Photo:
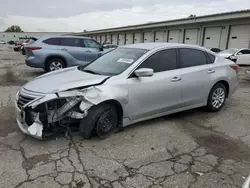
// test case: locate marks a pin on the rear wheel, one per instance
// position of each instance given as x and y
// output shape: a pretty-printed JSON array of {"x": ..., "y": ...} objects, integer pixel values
[
  {"x": 101, "y": 119},
  {"x": 216, "y": 98},
  {"x": 55, "y": 64}
]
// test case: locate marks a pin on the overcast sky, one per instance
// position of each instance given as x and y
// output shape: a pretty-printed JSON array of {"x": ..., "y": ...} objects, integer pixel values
[{"x": 77, "y": 15}]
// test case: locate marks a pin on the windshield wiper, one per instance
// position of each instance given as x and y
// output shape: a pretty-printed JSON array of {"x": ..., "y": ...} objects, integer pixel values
[{"x": 90, "y": 71}]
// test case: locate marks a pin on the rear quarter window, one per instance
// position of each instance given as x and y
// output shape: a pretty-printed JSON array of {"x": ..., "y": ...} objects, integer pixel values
[{"x": 211, "y": 58}]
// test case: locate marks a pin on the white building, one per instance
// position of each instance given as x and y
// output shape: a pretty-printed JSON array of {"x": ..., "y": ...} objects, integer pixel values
[
  {"x": 224, "y": 30},
  {"x": 7, "y": 36}
]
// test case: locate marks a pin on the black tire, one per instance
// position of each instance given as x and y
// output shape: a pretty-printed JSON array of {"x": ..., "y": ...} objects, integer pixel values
[
  {"x": 210, "y": 105},
  {"x": 95, "y": 122},
  {"x": 52, "y": 60}
]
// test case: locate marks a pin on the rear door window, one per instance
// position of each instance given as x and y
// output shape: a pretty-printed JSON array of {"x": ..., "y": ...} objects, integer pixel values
[
  {"x": 192, "y": 57},
  {"x": 74, "y": 42},
  {"x": 52, "y": 41}
]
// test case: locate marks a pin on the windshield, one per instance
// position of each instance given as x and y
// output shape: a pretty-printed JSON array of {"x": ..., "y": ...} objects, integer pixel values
[
  {"x": 231, "y": 50},
  {"x": 114, "y": 62}
]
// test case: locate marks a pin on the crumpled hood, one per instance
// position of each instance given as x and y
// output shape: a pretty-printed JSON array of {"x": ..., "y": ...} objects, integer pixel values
[
  {"x": 62, "y": 80},
  {"x": 225, "y": 54}
]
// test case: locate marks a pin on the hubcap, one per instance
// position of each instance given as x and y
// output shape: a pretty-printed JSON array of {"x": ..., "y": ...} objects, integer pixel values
[
  {"x": 56, "y": 65},
  {"x": 105, "y": 123},
  {"x": 218, "y": 97}
]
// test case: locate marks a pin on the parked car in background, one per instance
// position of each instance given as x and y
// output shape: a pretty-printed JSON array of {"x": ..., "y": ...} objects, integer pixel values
[
  {"x": 129, "y": 84},
  {"x": 246, "y": 183},
  {"x": 2, "y": 42},
  {"x": 216, "y": 50},
  {"x": 30, "y": 41},
  {"x": 19, "y": 44},
  {"x": 54, "y": 53},
  {"x": 106, "y": 46},
  {"x": 239, "y": 56}
]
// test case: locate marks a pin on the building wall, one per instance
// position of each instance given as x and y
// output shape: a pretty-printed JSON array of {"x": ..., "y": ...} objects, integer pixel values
[
  {"x": 209, "y": 34},
  {"x": 15, "y": 36}
]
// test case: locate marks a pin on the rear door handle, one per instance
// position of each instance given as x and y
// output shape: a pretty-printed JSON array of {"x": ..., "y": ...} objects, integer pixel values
[
  {"x": 210, "y": 71},
  {"x": 63, "y": 49},
  {"x": 88, "y": 51},
  {"x": 175, "y": 79}
]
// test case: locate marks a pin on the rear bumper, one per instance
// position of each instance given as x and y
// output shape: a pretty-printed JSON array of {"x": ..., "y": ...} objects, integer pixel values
[{"x": 34, "y": 64}]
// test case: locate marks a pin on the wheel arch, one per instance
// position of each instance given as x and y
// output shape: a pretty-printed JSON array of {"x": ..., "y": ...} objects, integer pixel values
[
  {"x": 55, "y": 56},
  {"x": 225, "y": 83},
  {"x": 118, "y": 106}
]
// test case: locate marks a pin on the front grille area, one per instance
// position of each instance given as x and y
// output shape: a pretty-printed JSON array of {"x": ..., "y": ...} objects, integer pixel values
[
  {"x": 22, "y": 100},
  {"x": 26, "y": 96}
]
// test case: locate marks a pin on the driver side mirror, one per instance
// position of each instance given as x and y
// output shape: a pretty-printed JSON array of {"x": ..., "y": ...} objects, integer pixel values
[
  {"x": 101, "y": 48},
  {"x": 144, "y": 72},
  {"x": 240, "y": 53}
]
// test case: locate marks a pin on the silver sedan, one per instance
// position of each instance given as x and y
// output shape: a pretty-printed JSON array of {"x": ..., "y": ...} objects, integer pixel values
[{"x": 129, "y": 84}]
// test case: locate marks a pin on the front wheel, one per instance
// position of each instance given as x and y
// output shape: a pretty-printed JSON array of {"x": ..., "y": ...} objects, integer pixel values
[
  {"x": 216, "y": 98},
  {"x": 101, "y": 120}
]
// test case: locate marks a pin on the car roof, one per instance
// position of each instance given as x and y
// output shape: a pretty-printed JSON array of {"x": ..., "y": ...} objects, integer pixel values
[
  {"x": 151, "y": 46},
  {"x": 47, "y": 37}
]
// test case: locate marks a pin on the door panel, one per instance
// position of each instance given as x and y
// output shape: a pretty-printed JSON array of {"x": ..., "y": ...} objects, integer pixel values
[
  {"x": 153, "y": 95},
  {"x": 159, "y": 93},
  {"x": 196, "y": 75},
  {"x": 91, "y": 50},
  {"x": 243, "y": 59},
  {"x": 196, "y": 84}
]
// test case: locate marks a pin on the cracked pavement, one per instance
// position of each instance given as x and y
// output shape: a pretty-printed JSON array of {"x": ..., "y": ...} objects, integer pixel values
[{"x": 192, "y": 149}]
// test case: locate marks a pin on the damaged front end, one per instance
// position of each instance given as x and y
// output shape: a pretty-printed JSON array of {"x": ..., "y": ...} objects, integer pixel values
[{"x": 42, "y": 115}]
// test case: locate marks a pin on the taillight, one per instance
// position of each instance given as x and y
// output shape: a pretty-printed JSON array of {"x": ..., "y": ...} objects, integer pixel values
[
  {"x": 33, "y": 48},
  {"x": 235, "y": 67}
]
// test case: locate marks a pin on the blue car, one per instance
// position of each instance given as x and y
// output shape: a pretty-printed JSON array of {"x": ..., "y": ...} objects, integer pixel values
[{"x": 57, "y": 52}]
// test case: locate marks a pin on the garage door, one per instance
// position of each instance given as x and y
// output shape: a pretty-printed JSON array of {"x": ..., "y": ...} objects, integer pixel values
[
  {"x": 98, "y": 38},
  {"x": 114, "y": 39},
  {"x": 94, "y": 37},
  {"x": 173, "y": 36},
  {"x": 212, "y": 37},
  {"x": 138, "y": 38},
  {"x": 239, "y": 36},
  {"x": 121, "y": 39},
  {"x": 160, "y": 36},
  {"x": 103, "y": 38},
  {"x": 148, "y": 37},
  {"x": 129, "y": 38},
  {"x": 108, "y": 38},
  {"x": 191, "y": 36}
]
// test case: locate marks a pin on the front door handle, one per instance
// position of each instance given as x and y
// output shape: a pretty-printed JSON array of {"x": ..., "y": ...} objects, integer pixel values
[
  {"x": 63, "y": 49},
  {"x": 88, "y": 51},
  {"x": 210, "y": 71},
  {"x": 175, "y": 79}
]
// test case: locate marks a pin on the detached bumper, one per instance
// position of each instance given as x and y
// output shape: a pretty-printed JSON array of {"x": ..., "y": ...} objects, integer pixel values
[{"x": 20, "y": 118}]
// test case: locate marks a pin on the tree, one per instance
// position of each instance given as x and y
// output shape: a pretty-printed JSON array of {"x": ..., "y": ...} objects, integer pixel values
[
  {"x": 14, "y": 28},
  {"x": 192, "y": 16}
]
